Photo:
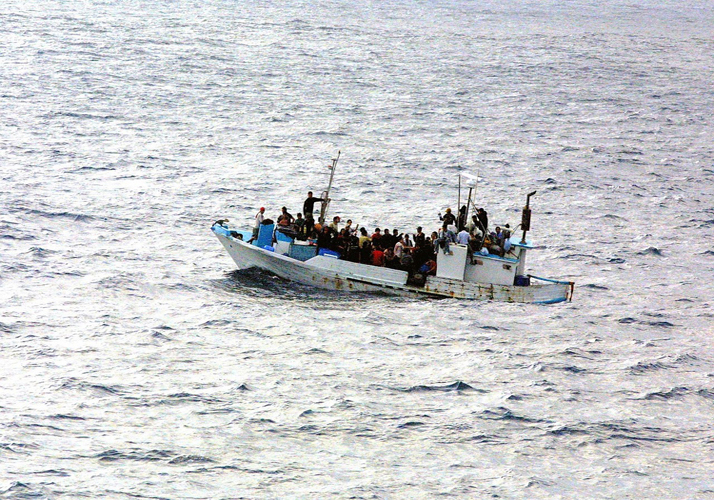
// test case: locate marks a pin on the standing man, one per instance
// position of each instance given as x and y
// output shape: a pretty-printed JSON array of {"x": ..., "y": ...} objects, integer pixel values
[
  {"x": 307, "y": 209},
  {"x": 420, "y": 238},
  {"x": 483, "y": 219},
  {"x": 258, "y": 221},
  {"x": 448, "y": 218}
]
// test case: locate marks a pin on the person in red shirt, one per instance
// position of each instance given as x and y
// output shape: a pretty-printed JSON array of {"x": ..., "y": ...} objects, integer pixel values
[{"x": 378, "y": 256}]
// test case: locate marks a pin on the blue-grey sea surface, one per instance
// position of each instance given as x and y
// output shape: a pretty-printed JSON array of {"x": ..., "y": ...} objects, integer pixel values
[{"x": 136, "y": 362}]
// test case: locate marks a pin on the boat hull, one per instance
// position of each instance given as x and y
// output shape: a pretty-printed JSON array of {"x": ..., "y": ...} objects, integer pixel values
[{"x": 316, "y": 273}]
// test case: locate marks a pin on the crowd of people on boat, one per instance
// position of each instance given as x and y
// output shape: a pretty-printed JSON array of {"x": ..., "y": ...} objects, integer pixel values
[{"x": 415, "y": 252}]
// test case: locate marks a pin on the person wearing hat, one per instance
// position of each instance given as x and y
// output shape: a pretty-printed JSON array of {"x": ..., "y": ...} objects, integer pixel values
[
  {"x": 258, "y": 221},
  {"x": 448, "y": 218}
]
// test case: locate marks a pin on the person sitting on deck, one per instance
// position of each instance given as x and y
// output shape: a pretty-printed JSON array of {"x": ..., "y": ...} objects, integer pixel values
[
  {"x": 285, "y": 219},
  {"x": 494, "y": 246},
  {"x": 324, "y": 238},
  {"x": 377, "y": 255},
  {"x": 340, "y": 244},
  {"x": 390, "y": 260},
  {"x": 428, "y": 268},
  {"x": 300, "y": 227},
  {"x": 335, "y": 224},
  {"x": 406, "y": 263},
  {"x": 349, "y": 229},
  {"x": 499, "y": 235}
]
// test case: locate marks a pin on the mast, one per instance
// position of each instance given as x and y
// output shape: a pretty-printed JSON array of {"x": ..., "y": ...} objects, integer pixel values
[{"x": 326, "y": 193}]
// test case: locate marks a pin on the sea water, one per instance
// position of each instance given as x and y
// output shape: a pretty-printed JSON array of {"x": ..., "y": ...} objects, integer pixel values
[{"x": 136, "y": 362}]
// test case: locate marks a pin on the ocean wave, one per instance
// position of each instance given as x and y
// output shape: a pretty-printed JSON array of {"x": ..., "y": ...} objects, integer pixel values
[
  {"x": 673, "y": 393},
  {"x": 653, "y": 251},
  {"x": 644, "y": 367},
  {"x": 135, "y": 455},
  {"x": 502, "y": 413},
  {"x": 455, "y": 386},
  {"x": 75, "y": 384}
]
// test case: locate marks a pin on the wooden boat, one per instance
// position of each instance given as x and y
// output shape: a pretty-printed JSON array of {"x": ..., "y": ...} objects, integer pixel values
[
  {"x": 459, "y": 274},
  {"x": 490, "y": 277}
]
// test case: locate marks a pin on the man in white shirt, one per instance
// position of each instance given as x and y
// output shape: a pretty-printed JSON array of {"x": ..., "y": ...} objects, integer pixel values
[
  {"x": 399, "y": 248},
  {"x": 463, "y": 237},
  {"x": 258, "y": 221}
]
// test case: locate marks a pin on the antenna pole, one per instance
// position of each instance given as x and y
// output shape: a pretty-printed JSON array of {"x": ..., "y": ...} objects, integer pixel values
[
  {"x": 526, "y": 217},
  {"x": 458, "y": 205},
  {"x": 326, "y": 194}
]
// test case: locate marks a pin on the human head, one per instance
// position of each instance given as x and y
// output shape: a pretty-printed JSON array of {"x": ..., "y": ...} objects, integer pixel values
[
  {"x": 386, "y": 231},
  {"x": 299, "y": 215},
  {"x": 349, "y": 221},
  {"x": 448, "y": 210},
  {"x": 309, "y": 194},
  {"x": 284, "y": 209},
  {"x": 262, "y": 209},
  {"x": 377, "y": 230},
  {"x": 419, "y": 229}
]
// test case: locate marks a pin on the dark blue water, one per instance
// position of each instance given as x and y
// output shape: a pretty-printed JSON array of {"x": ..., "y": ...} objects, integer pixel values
[{"x": 137, "y": 363}]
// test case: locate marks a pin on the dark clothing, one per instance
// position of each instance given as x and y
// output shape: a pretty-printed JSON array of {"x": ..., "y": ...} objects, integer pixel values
[
  {"x": 324, "y": 239},
  {"x": 448, "y": 218},
  {"x": 392, "y": 263},
  {"x": 462, "y": 218},
  {"x": 309, "y": 206},
  {"x": 300, "y": 229},
  {"x": 387, "y": 241},
  {"x": 365, "y": 256},
  {"x": 407, "y": 263},
  {"x": 483, "y": 218},
  {"x": 309, "y": 225}
]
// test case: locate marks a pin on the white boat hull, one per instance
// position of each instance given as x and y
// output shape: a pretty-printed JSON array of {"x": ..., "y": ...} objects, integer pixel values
[{"x": 332, "y": 274}]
